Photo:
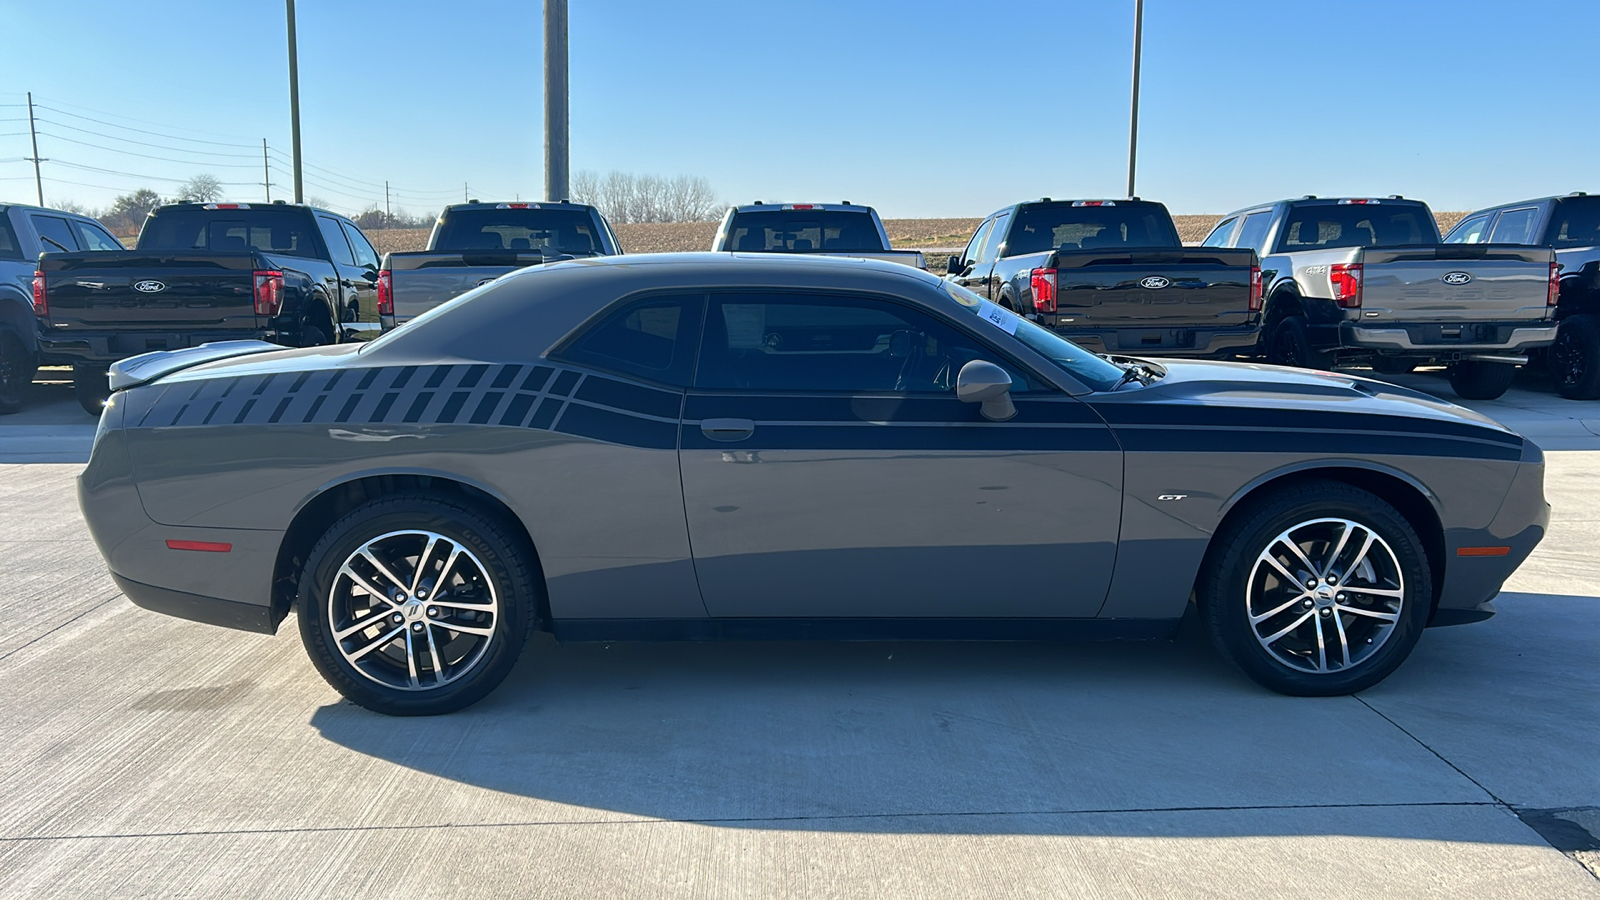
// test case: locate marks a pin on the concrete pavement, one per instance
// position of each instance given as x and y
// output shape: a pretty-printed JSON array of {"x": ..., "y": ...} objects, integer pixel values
[{"x": 145, "y": 756}]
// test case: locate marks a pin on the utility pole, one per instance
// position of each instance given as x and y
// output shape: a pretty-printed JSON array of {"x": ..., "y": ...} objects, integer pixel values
[
  {"x": 466, "y": 194},
  {"x": 33, "y": 133},
  {"x": 388, "y": 217},
  {"x": 294, "y": 107},
  {"x": 555, "y": 100},
  {"x": 1133, "y": 120},
  {"x": 266, "y": 171}
]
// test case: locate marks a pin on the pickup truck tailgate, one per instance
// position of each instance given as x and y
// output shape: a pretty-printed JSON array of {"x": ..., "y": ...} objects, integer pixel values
[
  {"x": 1455, "y": 283},
  {"x": 143, "y": 292},
  {"x": 1155, "y": 288},
  {"x": 423, "y": 279}
]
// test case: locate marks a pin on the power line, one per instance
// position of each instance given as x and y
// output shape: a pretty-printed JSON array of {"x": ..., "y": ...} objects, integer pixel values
[
  {"x": 118, "y": 137},
  {"x": 128, "y": 118},
  {"x": 170, "y": 137},
  {"x": 85, "y": 168},
  {"x": 184, "y": 162}
]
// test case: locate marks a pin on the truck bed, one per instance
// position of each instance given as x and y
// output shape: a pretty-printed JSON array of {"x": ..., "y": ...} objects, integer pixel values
[{"x": 424, "y": 279}]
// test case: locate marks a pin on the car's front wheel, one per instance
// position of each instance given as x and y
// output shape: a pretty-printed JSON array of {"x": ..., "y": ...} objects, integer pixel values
[
  {"x": 1318, "y": 589},
  {"x": 416, "y": 604}
]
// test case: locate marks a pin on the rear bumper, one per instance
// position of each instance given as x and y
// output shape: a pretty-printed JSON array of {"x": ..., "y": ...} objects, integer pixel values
[
  {"x": 210, "y": 610},
  {"x": 105, "y": 348},
  {"x": 1448, "y": 338},
  {"x": 1179, "y": 341}
]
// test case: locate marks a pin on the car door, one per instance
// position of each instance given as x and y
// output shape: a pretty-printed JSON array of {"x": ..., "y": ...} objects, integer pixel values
[
  {"x": 344, "y": 264},
  {"x": 364, "y": 281},
  {"x": 830, "y": 472},
  {"x": 984, "y": 281},
  {"x": 966, "y": 273}
]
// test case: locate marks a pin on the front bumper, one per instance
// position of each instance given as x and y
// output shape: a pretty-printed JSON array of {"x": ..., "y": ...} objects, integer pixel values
[
  {"x": 1188, "y": 342},
  {"x": 1437, "y": 338}
]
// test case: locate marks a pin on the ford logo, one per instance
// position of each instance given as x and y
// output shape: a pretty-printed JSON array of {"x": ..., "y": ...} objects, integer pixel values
[
  {"x": 1455, "y": 278},
  {"x": 149, "y": 287},
  {"x": 1154, "y": 282}
]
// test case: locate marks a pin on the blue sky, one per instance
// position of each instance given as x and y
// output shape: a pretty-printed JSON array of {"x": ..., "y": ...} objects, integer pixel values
[{"x": 923, "y": 109}]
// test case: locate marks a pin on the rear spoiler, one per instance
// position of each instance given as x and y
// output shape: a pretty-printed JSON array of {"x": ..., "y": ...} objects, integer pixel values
[{"x": 147, "y": 367}]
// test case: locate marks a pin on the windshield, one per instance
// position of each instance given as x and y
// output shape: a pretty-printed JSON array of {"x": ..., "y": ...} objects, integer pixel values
[
  {"x": 556, "y": 231},
  {"x": 1093, "y": 371},
  {"x": 1577, "y": 223},
  {"x": 804, "y": 231},
  {"x": 1041, "y": 227},
  {"x": 284, "y": 231}
]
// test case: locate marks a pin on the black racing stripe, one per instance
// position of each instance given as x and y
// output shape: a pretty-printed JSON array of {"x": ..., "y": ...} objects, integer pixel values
[
  {"x": 382, "y": 408},
  {"x": 414, "y": 414},
  {"x": 564, "y": 383},
  {"x": 452, "y": 407},
  {"x": 508, "y": 374},
  {"x": 283, "y": 406},
  {"x": 898, "y": 438},
  {"x": 244, "y": 411},
  {"x": 1179, "y": 414},
  {"x": 214, "y": 407},
  {"x": 316, "y": 404},
  {"x": 631, "y": 397},
  {"x": 349, "y": 407},
  {"x": 1208, "y": 440},
  {"x": 261, "y": 388},
  {"x": 473, "y": 375},
  {"x": 439, "y": 374},
  {"x": 536, "y": 379},
  {"x": 517, "y": 410},
  {"x": 299, "y": 383},
  {"x": 546, "y": 413},
  {"x": 229, "y": 385},
  {"x": 403, "y": 378},
  {"x": 367, "y": 379},
  {"x": 618, "y": 428},
  {"x": 333, "y": 381},
  {"x": 486, "y": 407}
]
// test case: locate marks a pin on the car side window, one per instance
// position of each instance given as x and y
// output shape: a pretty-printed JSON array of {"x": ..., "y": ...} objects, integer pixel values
[
  {"x": 1515, "y": 226},
  {"x": 970, "y": 255},
  {"x": 997, "y": 233},
  {"x": 54, "y": 233},
  {"x": 93, "y": 237},
  {"x": 1469, "y": 231},
  {"x": 338, "y": 247},
  {"x": 653, "y": 339},
  {"x": 1219, "y": 235},
  {"x": 365, "y": 254},
  {"x": 9, "y": 248},
  {"x": 1253, "y": 232},
  {"x": 814, "y": 343}
]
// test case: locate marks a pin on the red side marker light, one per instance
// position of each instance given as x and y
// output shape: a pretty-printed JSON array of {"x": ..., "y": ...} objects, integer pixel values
[
  {"x": 204, "y": 546},
  {"x": 1483, "y": 551}
]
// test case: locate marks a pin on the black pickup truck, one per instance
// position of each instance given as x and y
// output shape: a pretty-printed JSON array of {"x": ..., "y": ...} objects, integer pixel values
[
  {"x": 1113, "y": 276},
  {"x": 279, "y": 272}
]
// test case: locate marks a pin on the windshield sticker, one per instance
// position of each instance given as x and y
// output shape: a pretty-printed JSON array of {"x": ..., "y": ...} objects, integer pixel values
[{"x": 1002, "y": 318}]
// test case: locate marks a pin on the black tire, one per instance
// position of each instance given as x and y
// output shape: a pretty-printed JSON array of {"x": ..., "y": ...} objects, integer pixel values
[
  {"x": 1473, "y": 380},
  {"x": 1393, "y": 365},
  {"x": 314, "y": 333},
  {"x": 89, "y": 385},
  {"x": 1290, "y": 345},
  {"x": 1574, "y": 359},
  {"x": 496, "y": 574},
  {"x": 1235, "y": 583},
  {"x": 17, "y": 368}
]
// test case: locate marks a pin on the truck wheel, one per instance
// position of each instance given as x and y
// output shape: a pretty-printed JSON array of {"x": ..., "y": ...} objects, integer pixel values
[
  {"x": 90, "y": 385},
  {"x": 1473, "y": 380},
  {"x": 313, "y": 334},
  {"x": 1393, "y": 365},
  {"x": 1316, "y": 590},
  {"x": 17, "y": 368},
  {"x": 1574, "y": 359},
  {"x": 1290, "y": 346}
]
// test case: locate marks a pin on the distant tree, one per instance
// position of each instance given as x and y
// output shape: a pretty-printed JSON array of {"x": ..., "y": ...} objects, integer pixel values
[
  {"x": 200, "y": 189},
  {"x": 128, "y": 211},
  {"x": 371, "y": 218},
  {"x": 71, "y": 206},
  {"x": 624, "y": 197}
]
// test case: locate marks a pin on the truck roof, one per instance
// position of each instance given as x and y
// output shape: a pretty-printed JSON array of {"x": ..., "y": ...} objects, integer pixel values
[
  {"x": 843, "y": 206},
  {"x": 517, "y": 204},
  {"x": 229, "y": 204},
  {"x": 1081, "y": 201}
]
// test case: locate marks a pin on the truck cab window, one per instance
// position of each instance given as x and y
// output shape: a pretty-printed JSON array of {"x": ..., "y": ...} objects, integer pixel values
[
  {"x": 54, "y": 232},
  {"x": 1577, "y": 223},
  {"x": 970, "y": 255},
  {"x": 338, "y": 247},
  {"x": 1253, "y": 231},
  {"x": 1515, "y": 226},
  {"x": 365, "y": 254},
  {"x": 93, "y": 237},
  {"x": 1219, "y": 235},
  {"x": 1470, "y": 231}
]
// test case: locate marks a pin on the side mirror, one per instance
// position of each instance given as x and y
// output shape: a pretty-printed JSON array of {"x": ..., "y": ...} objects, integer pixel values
[
  {"x": 981, "y": 381},
  {"x": 954, "y": 266}
]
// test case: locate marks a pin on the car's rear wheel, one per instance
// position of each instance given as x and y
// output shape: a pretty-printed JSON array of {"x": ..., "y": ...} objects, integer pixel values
[
  {"x": 1574, "y": 359},
  {"x": 1316, "y": 590},
  {"x": 1474, "y": 380},
  {"x": 416, "y": 604},
  {"x": 90, "y": 386},
  {"x": 17, "y": 368}
]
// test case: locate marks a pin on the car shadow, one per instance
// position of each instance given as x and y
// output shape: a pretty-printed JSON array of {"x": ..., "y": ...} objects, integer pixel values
[{"x": 934, "y": 737}]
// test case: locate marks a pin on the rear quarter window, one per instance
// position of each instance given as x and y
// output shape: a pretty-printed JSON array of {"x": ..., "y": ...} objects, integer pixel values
[{"x": 653, "y": 339}]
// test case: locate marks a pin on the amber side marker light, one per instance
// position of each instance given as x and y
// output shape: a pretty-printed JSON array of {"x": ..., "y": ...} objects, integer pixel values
[
  {"x": 1466, "y": 551},
  {"x": 206, "y": 546}
]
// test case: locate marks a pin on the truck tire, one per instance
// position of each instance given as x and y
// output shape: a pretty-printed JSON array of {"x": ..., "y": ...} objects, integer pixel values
[
  {"x": 17, "y": 368},
  {"x": 1393, "y": 365},
  {"x": 1574, "y": 359},
  {"x": 91, "y": 388},
  {"x": 315, "y": 334},
  {"x": 1289, "y": 345},
  {"x": 1473, "y": 380}
]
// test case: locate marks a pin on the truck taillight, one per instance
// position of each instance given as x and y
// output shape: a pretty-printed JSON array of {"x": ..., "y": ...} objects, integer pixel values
[
  {"x": 1255, "y": 288},
  {"x": 1552, "y": 296},
  {"x": 269, "y": 292},
  {"x": 41, "y": 303},
  {"x": 1346, "y": 281},
  {"x": 385, "y": 293},
  {"x": 1043, "y": 282}
]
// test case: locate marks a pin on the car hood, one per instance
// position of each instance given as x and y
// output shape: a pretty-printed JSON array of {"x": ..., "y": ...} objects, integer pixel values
[{"x": 1259, "y": 385}]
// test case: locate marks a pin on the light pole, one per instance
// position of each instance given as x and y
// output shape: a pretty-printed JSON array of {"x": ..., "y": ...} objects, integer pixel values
[
  {"x": 555, "y": 100},
  {"x": 1133, "y": 117},
  {"x": 294, "y": 107}
]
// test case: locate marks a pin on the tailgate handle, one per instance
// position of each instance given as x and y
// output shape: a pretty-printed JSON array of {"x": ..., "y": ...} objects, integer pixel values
[{"x": 727, "y": 430}]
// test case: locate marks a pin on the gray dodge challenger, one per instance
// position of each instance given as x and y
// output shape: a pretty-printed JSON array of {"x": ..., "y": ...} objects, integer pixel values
[{"x": 703, "y": 446}]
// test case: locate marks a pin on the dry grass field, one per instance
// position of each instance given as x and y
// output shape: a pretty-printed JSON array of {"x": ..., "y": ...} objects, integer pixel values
[{"x": 927, "y": 234}]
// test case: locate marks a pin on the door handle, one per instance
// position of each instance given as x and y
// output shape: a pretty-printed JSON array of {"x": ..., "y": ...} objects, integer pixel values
[{"x": 727, "y": 429}]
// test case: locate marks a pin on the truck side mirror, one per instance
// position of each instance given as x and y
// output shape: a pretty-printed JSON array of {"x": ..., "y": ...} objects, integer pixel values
[
  {"x": 981, "y": 381},
  {"x": 954, "y": 266}
]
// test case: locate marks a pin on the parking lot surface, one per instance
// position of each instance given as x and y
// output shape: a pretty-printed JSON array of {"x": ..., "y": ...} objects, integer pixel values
[{"x": 146, "y": 756}]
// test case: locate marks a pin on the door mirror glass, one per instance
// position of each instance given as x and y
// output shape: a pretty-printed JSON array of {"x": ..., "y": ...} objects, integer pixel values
[
  {"x": 981, "y": 381},
  {"x": 954, "y": 266}
]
